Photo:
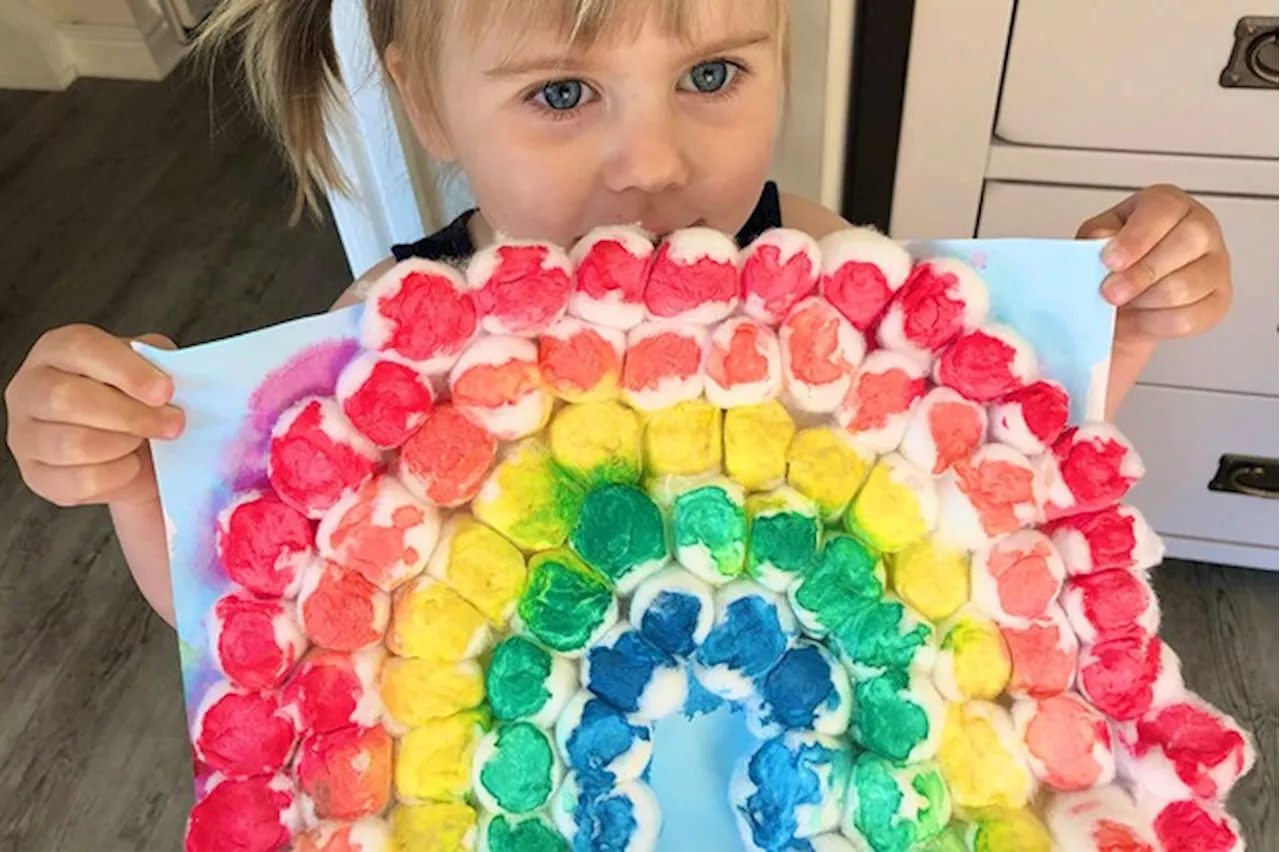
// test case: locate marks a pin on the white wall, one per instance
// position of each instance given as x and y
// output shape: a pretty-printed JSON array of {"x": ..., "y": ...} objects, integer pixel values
[{"x": 45, "y": 44}]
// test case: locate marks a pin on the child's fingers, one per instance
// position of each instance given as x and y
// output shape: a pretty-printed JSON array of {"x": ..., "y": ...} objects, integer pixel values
[
  {"x": 91, "y": 352},
  {"x": 76, "y": 486},
  {"x": 1100, "y": 227},
  {"x": 1172, "y": 322},
  {"x": 67, "y": 445},
  {"x": 1186, "y": 241},
  {"x": 1148, "y": 216},
  {"x": 57, "y": 397},
  {"x": 1185, "y": 286}
]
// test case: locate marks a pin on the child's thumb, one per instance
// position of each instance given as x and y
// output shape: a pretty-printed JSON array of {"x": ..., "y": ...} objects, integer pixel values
[{"x": 158, "y": 341}]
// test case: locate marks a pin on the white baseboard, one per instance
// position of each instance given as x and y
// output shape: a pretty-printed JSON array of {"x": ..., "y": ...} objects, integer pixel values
[
  {"x": 37, "y": 54},
  {"x": 122, "y": 52}
]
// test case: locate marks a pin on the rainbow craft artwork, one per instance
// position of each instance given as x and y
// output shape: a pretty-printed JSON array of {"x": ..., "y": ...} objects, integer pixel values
[{"x": 450, "y": 566}]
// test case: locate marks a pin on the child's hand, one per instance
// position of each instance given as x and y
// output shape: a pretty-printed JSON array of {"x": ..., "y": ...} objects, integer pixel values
[
  {"x": 1171, "y": 275},
  {"x": 80, "y": 410}
]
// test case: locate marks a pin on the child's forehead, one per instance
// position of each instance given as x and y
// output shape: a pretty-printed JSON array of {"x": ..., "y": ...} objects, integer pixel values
[{"x": 502, "y": 28}]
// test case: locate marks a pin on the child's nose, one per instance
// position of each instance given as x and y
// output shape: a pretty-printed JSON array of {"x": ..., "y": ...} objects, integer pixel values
[{"x": 647, "y": 155}]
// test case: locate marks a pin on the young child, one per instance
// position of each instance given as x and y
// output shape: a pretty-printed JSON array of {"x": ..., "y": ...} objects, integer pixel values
[{"x": 563, "y": 115}]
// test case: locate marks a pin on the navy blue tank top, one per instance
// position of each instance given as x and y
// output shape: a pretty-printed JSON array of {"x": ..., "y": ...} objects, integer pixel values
[{"x": 453, "y": 242}]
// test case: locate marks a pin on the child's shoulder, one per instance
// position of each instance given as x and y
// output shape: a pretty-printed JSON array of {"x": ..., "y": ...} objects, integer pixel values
[{"x": 804, "y": 215}]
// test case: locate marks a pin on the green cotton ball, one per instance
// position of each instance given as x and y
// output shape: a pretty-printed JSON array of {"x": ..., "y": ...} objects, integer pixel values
[{"x": 620, "y": 533}]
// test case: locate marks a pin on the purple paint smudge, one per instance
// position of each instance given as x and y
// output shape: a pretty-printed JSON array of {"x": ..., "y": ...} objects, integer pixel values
[{"x": 312, "y": 372}]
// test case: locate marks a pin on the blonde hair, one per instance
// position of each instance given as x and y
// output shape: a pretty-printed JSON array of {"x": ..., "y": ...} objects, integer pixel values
[{"x": 291, "y": 67}]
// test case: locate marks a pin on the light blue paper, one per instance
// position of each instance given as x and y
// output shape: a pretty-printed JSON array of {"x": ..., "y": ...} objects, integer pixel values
[{"x": 233, "y": 390}]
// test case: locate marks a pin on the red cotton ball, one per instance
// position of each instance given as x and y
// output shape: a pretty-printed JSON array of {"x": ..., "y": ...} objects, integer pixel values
[
  {"x": 264, "y": 544},
  {"x": 385, "y": 399},
  {"x": 1091, "y": 467},
  {"x": 251, "y": 815},
  {"x": 336, "y": 689},
  {"x": 317, "y": 456},
  {"x": 255, "y": 642},
  {"x": 242, "y": 734}
]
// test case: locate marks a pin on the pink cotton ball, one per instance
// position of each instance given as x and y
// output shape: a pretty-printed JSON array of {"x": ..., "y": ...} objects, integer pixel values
[
  {"x": 1017, "y": 578},
  {"x": 1031, "y": 418},
  {"x": 259, "y": 814},
  {"x": 1126, "y": 676},
  {"x": 992, "y": 493},
  {"x": 1115, "y": 537},
  {"x": 944, "y": 429},
  {"x": 1185, "y": 749},
  {"x": 693, "y": 277},
  {"x": 986, "y": 363},
  {"x": 861, "y": 270},
  {"x": 1103, "y": 819},
  {"x": 778, "y": 269},
  {"x": 1067, "y": 740},
  {"x": 941, "y": 298},
  {"x": 744, "y": 364},
  {"x": 821, "y": 350},
  {"x": 877, "y": 407},
  {"x": 611, "y": 267},
  {"x": 1107, "y": 604},
  {"x": 665, "y": 364},
  {"x": 241, "y": 733},
  {"x": 1089, "y": 468},
  {"x": 419, "y": 311},
  {"x": 381, "y": 531},
  {"x": 521, "y": 287}
]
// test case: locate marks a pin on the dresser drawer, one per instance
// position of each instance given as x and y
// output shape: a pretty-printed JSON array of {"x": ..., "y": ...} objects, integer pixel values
[
  {"x": 1138, "y": 75},
  {"x": 1182, "y": 435},
  {"x": 1239, "y": 355}
]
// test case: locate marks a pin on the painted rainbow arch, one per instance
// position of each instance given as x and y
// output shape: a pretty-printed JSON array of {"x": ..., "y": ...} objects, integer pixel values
[{"x": 558, "y": 497}]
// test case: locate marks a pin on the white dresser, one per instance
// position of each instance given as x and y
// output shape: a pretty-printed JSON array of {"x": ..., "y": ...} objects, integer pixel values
[{"x": 1059, "y": 109}]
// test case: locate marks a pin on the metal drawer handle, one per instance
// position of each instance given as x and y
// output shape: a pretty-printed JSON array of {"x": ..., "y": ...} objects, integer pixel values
[
  {"x": 1248, "y": 475},
  {"x": 1253, "y": 63}
]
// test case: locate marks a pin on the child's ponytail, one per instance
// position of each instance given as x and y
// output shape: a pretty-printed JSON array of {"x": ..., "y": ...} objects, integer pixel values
[{"x": 291, "y": 66}]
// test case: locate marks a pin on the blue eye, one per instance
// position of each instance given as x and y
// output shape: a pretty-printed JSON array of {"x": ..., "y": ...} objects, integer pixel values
[
  {"x": 562, "y": 95},
  {"x": 709, "y": 77}
]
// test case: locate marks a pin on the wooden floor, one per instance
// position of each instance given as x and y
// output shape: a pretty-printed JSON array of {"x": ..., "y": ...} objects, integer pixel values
[{"x": 158, "y": 207}]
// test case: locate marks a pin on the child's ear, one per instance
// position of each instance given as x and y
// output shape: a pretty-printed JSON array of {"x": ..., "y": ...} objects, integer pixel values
[{"x": 426, "y": 122}]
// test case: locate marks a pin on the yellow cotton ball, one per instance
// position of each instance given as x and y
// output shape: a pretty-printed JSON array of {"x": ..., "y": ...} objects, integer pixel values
[
  {"x": 896, "y": 507},
  {"x": 1007, "y": 830},
  {"x": 480, "y": 565},
  {"x": 415, "y": 692},
  {"x": 973, "y": 659},
  {"x": 932, "y": 579},
  {"x": 529, "y": 498},
  {"x": 683, "y": 440},
  {"x": 823, "y": 465},
  {"x": 598, "y": 442},
  {"x": 981, "y": 759},
  {"x": 756, "y": 438},
  {"x": 433, "y": 762},
  {"x": 437, "y": 827},
  {"x": 431, "y": 621}
]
